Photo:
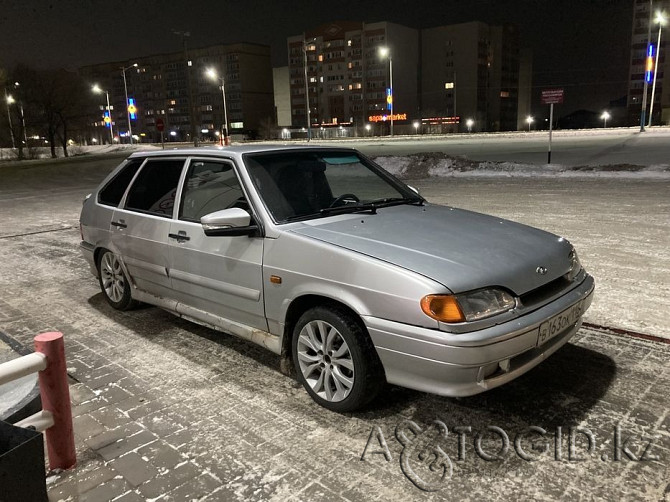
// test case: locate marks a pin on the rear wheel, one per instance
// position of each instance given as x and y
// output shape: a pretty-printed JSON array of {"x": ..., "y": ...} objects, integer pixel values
[
  {"x": 335, "y": 359},
  {"x": 113, "y": 281}
]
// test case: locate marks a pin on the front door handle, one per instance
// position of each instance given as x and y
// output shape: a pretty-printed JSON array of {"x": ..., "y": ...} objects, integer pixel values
[
  {"x": 180, "y": 237},
  {"x": 119, "y": 224}
]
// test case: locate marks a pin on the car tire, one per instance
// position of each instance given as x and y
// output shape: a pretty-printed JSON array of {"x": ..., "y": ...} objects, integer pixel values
[
  {"x": 113, "y": 281},
  {"x": 335, "y": 360}
]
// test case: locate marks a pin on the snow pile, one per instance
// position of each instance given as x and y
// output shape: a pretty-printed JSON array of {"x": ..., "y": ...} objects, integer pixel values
[{"x": 439, "y": 165}]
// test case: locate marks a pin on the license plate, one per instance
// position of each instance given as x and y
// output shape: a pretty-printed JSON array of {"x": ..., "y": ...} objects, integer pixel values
[{"x": 557, "y": 324}]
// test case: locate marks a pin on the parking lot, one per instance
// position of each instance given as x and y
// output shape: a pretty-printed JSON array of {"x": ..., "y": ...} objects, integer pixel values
[{"x": 168, "y": 410}]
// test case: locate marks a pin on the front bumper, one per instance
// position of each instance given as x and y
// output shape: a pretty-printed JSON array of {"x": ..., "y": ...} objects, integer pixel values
[{"x": 466, "y": 364}]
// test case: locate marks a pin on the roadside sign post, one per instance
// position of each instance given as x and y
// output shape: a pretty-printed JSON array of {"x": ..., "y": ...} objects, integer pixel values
[
  {"x": 551, "y": 124},
  {"x": 160, "y": 125},
  {"x": 551, "y": 97}
]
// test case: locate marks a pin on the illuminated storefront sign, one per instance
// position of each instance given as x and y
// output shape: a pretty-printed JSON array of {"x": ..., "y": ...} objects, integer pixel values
[
  {"x": 384, "y": 118},
  {"x": 441, "y": 120}
]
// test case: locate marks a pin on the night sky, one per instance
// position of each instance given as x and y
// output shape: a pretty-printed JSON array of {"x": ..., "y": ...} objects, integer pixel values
[{"x": 583, "y": 46}]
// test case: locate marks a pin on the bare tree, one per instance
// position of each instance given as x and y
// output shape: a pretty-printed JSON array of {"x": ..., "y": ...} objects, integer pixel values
[{"x": 55, "y": 101}]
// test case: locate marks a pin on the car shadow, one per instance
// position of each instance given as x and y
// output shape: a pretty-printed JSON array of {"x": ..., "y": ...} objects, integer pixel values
[{"x": 558, "y": 392}]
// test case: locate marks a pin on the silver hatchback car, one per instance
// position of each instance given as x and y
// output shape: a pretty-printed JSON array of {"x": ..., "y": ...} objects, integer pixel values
[{"x": 326, "y": 259}]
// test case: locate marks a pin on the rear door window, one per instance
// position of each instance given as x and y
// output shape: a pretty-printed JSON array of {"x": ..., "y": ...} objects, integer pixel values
[
  {"x": 155, "y": 188},
  {"x": 113, "y": 191}
]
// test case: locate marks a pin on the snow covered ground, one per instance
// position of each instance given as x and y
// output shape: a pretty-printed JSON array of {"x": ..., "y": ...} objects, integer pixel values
[{"x": 440, "y": 165}]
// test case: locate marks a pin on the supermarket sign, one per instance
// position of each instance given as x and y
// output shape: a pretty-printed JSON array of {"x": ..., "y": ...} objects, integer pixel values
[{"x": 384, "y": 118}]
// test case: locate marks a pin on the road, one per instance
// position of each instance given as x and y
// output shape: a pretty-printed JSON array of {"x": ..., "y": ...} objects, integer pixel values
[{"x": 168, "y": 410}]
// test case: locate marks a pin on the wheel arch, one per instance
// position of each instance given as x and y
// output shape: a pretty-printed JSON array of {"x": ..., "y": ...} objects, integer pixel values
[{"x": 295, "y": 310}]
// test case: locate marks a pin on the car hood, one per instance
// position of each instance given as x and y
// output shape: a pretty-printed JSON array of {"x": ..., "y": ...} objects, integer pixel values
[{"x": 460, "y": 249}]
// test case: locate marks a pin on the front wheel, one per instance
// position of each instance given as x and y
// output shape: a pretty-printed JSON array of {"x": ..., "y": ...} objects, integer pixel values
[
  {"x": 335, "y": 359},
  {"x": 113, "y": 281}
]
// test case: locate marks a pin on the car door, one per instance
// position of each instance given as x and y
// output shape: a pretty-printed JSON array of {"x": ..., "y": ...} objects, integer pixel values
[
  {"x": 221, "y": 275},
  {"x": 140, "y": 226}
]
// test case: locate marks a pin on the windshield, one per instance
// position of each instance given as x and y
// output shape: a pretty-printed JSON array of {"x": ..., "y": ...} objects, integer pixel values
[{"x": 307, "y": 184}]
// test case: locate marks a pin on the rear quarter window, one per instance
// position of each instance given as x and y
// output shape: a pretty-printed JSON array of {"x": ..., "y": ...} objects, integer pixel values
[{"x": 112, "y": 192}]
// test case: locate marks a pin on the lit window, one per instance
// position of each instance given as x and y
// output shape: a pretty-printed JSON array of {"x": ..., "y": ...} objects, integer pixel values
[{"x": 504, "y": 94}]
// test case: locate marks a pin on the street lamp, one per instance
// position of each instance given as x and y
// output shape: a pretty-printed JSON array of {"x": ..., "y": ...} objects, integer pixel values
[
  {"x": 125, "y": 88},
  {"x": 386, "y": 53},
  {"x": 96, "y": 89},
  {"x": 22, "y": 117},
  {"x": 416, "y": 126},
  {"x": 211, "y": 73},
  {"x": 10, "y": 100},
  {"x": 660, "y": 19},
  {"x": 529, "y": 120},
  {"x": 605, "y": 116},
  {"x": 469, "y": 123},
  {"x": 367, "y": 128}
]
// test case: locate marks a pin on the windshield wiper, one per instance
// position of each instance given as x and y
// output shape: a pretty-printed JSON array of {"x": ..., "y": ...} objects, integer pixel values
[
  {"x": 393, "y": 201},
  {"x": 372, "y": 206},
  {"x": 350, "y": 208}
]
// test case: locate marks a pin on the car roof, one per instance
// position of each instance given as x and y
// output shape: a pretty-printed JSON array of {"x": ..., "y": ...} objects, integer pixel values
[{"x": 236, "y": 151}]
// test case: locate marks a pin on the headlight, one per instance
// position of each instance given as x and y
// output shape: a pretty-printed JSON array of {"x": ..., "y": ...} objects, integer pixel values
[
  {"x": 471, "y": 306},
  {"x": 575, "y": 266}
]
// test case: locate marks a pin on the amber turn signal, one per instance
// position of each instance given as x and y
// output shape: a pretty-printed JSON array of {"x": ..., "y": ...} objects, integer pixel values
[{"x": 443, "y": 308}]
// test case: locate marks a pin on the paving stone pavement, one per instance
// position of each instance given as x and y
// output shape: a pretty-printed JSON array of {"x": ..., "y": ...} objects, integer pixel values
[{"x": 167, "y": 410}]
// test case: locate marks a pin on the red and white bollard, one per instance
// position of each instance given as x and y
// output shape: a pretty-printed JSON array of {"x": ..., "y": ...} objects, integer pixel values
[{"x": 55, "y": 394}]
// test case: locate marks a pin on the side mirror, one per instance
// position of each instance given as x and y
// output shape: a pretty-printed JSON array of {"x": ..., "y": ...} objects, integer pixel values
[
  {"x": 415, "y": 190},
  {"x": 228, "y": 222}
]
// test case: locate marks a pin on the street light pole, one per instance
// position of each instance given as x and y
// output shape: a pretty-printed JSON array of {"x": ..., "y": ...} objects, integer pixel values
[
  {"x": 211, "y": 73},
  {"x": 643, "y": 111},
  {"x": 9, "y": 100},
  {"x": 660, "y": 19},
  {"x": 111, "y": 122},
  {"x": 386, "y": 52},
  {"x": 125, "y": 88},
  {"x": 98, "y": 90},
  {"x": 605, "y": 116}
]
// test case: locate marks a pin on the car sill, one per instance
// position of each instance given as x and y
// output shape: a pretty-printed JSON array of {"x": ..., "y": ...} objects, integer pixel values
[{"x": 257, "y": 336}]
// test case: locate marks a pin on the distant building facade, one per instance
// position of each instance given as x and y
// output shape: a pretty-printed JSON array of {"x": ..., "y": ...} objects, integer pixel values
[
  {"x": 441, "y": 76},
  {"x": 175, "y": 90},
  {"x": 643, "y": 13},
  {"x": 471, "y": 71},
  {"x": 348, "y": 78},
  {"x": 282, "y": 94}
]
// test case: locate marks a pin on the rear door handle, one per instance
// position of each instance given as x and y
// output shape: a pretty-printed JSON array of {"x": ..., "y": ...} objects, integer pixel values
[
  {"x": 119, "y": 224},
  {"x": 180, "y": 237}
]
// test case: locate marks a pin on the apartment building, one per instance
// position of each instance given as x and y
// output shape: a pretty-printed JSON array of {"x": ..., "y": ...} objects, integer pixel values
[
  {"x": 349, "y": 77},
  {"x": 643, "y": 34},
  {"x": 441, "y": 77},
  {"x": 470, "y": 71},
  {"x": 174, "y": 89}
]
